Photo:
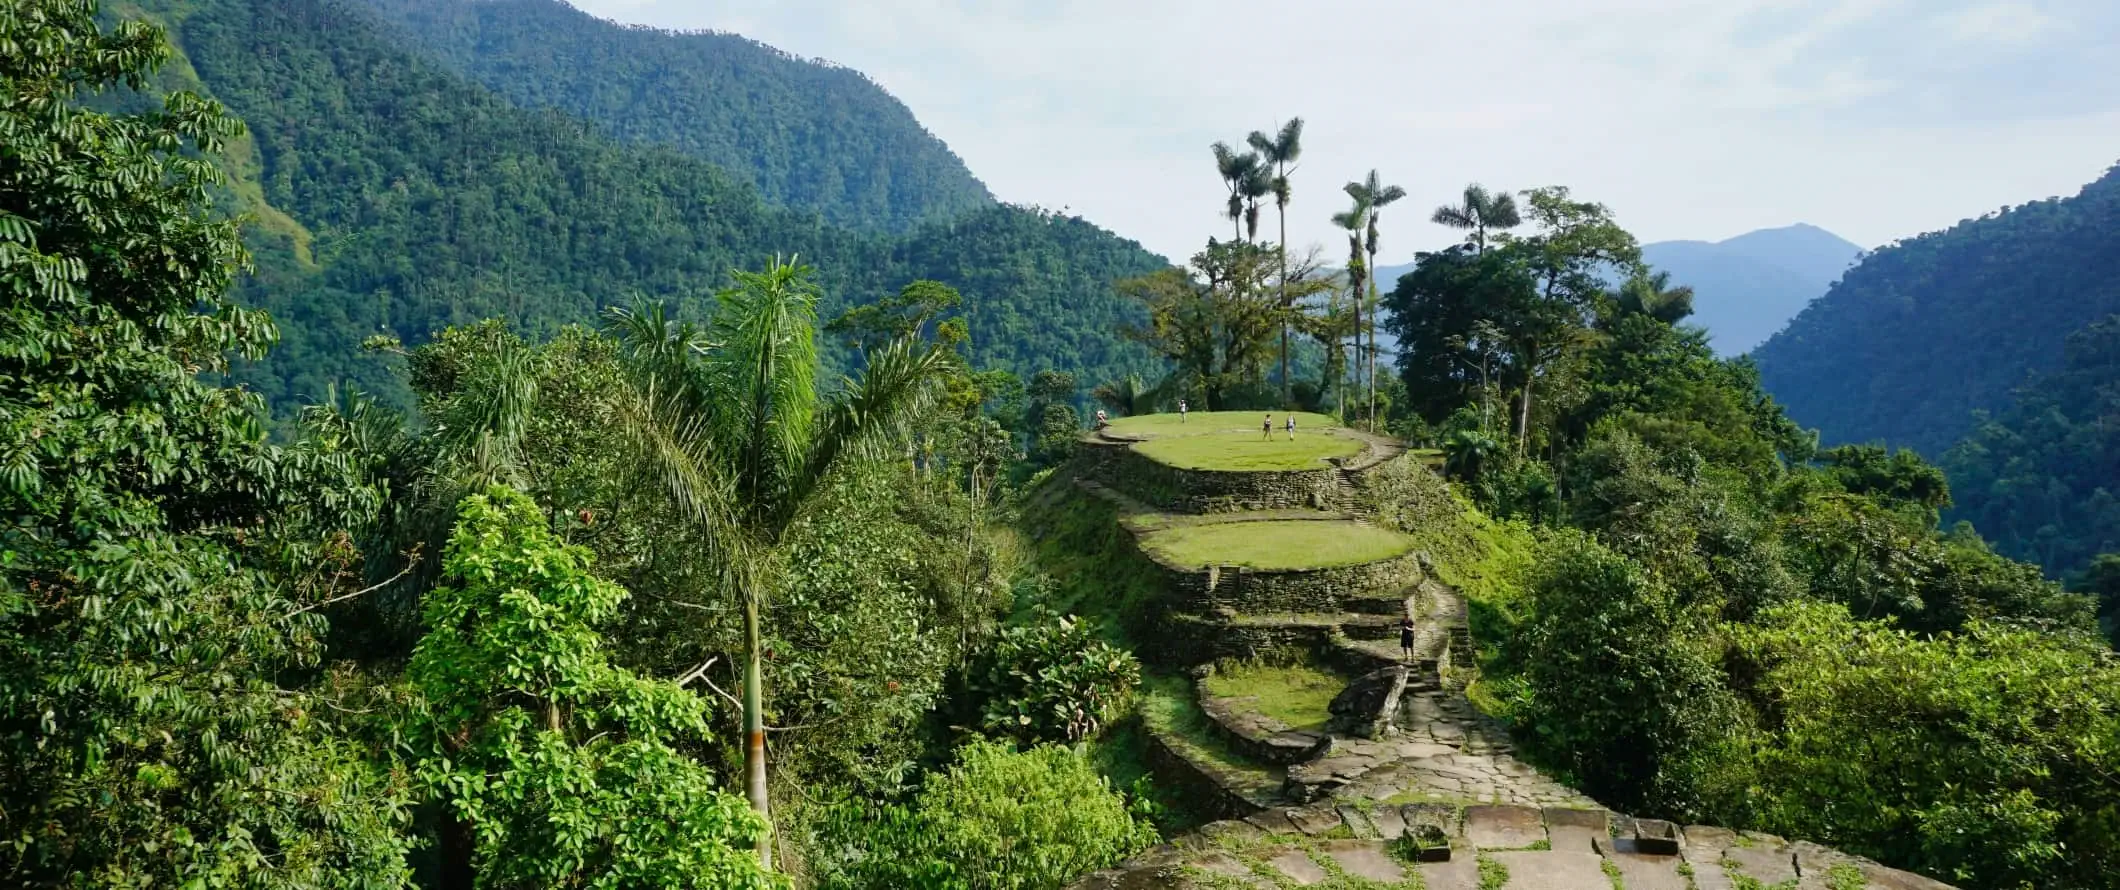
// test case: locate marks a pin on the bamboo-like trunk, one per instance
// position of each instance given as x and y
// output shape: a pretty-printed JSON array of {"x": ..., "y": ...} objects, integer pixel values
[{"x": 754, "y": 725}]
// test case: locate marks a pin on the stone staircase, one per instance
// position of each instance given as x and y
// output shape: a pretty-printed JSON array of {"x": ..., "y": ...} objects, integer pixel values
[{"x": 1507, "y": 847}]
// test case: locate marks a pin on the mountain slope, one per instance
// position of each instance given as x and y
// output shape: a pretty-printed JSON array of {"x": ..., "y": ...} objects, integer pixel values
[
  {"x": 806, "y": 134},
  {"x": 429, "y": 201},
  {"x": 1746, "y": 288},
  {"x": 1928, "y": 330}
]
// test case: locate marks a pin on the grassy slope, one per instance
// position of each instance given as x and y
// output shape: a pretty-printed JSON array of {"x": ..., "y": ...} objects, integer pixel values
[
  {"x": 1288, "y": 544},
  {"x": 1249, "y": 450},
  {"x": 1295, "y": 694}
]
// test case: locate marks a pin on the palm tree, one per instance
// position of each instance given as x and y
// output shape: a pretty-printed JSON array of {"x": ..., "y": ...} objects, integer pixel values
[
  {"x": 1373, "y": 194},
  {"x": 1281, "y": 151},
  {"x": 729, "y": 423},
  {"x": 1480, "y": 211},
  {"x": 1235, "y": 169},
  {"x": 1653, "y": 295},
  {"x": 1354, "y": 221},
  {"x": 1257, "y": 184}
]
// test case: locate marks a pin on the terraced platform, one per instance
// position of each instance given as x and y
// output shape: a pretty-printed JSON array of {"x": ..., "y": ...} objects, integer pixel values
[
  {"x": 1316, "y": 785},
  {"x": 1440, "y": 847}
]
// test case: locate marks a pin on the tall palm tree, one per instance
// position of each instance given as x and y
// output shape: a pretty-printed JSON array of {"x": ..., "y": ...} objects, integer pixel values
[
  {"x": 1373, "y": 194},
  {"x": 1479, "y": 212},
  {"x": 1354, "y": 221},
  {"x": 1258, "y": 183},
  {"x": 1281, "y": 151},
  {"x": 1235, "y": 169},
  {"x": 729, "y": 422}
]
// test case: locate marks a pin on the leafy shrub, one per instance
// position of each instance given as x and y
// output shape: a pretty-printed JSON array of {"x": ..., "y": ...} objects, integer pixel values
[
  {"x": 1620, "y": 683},
  {"x": 998, "y": 819},
  {"x": 1054, "y": 679}
]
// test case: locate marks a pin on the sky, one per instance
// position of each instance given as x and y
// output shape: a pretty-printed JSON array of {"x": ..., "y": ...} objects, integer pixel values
[{"x": 1691, "y": 119}]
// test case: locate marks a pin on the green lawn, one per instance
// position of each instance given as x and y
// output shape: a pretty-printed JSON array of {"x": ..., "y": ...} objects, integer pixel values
[
  {"x": 1247, "y": 451},
  {"x": 1215, "y": 421},
  {"x": 1284, "y": 544},
  {"x": 1298, "y": 695}
]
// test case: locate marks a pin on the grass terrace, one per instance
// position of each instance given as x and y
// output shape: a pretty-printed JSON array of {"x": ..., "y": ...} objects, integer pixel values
[
  {"x": 1231, "y": 440},
  {"x": 1281, "y": 544},
  {"x": 1298, "y": 695}
]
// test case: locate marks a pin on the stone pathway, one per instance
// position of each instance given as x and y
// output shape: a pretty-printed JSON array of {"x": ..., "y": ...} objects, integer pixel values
[{"x": 1518, "y": 847}]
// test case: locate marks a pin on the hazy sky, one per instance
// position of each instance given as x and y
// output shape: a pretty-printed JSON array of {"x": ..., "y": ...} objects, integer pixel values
[{"x": 1876, "y": 119}]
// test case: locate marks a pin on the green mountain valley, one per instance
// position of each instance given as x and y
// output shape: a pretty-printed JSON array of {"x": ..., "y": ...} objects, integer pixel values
[{"x": 465, "y": 445}]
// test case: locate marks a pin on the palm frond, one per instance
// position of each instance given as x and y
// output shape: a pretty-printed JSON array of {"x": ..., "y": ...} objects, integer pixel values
[
  {"x": 1454, "y": 217},
  {"x": 874, "y": 413},
  {"x": 1288, "y": 144},
  {"x": 767, "y": 358},
  {"x": 674, "y": 446}
]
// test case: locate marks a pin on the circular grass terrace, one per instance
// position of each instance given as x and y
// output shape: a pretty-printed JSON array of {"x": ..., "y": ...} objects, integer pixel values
[
  {"x": 1275, "y": 545},
  {"x": 1231, "y": 441}
]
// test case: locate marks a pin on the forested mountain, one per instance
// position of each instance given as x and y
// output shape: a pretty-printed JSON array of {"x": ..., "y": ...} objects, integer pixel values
[
  {"x": 1745, "y": 288},
  {"x": 2042, "y": 479},
  {"x": 429, "y": 201},
  {"x": 1930, "y": 329},
  {"x": 807, "y": 134}
]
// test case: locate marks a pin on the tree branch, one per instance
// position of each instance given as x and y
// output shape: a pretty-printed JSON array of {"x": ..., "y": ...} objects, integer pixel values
[{"x": 411, "y": 559}]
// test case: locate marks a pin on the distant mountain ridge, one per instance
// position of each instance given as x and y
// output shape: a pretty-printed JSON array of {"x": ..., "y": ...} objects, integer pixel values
[
  {"x": 806, "y": 134},
  {"x": 1929, "y": 330},
  {"x": 395, "y": 197},
  {"x": 1746, "y": 288}
]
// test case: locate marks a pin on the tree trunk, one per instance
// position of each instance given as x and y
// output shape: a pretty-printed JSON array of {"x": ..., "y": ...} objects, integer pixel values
[
  {"x": 754, "y": 726},
  {"x": 455, "y": 848},
  {"x": 1523, "y": 418},
  {"x": 1373, "y": 300},
  {"x": 1287, "y": 391}
]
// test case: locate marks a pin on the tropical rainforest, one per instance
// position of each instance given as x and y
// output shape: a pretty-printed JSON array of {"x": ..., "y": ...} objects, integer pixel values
[
  {"x": 664, "y": 537},
  {"x": 431, "y": 201}
]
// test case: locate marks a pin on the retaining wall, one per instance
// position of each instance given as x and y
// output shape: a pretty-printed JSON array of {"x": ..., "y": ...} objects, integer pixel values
[{"x": 1333, "y": 486}]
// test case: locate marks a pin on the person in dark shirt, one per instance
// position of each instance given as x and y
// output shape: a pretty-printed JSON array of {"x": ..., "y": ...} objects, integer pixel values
[{"x": 1406, "y": 638}]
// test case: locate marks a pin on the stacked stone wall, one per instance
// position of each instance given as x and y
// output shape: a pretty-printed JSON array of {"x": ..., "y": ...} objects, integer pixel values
[{"x": 1339, "y": 486}]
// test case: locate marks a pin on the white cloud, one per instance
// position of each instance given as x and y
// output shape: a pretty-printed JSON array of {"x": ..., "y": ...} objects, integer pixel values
[{"x": 1692, "y": 118}]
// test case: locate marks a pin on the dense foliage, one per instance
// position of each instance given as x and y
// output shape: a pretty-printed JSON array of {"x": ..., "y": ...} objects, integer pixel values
[
  {"x": 1682, "y": 646},
  {"x": 2040, "y": 478},
  {"x": 161, "y": 720},
  {"x": 805, "y": 134},
  {"x": 430, "y": 201},
  {"x": 556, "y": 768},
  {"x": 1926, "y": 331},
  {"x": 999, "y": 819},
  {"x": 1054, "y": 679}
]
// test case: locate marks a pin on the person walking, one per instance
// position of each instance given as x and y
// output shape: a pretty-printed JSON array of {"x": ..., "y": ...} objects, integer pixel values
[
  {"x": 1181, "y": 410},
  {"x": 1406, "y": 637},
  {"x": 1291, "y": 427},
  {"x": 1266, "y": 431}
]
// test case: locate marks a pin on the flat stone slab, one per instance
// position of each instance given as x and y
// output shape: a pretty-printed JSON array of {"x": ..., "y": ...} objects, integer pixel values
[
  {"x": 1553, "y": 870},
  {"x": 1767, "y": 865},
  {"x": 1389, "y": 821},
  {"x": 1228, "y": 866},
  {"x": 1576, "y": 831},
  {"x": 1273, "y": 822},
  {"x": 1705, "y": 843},
  {"x": 1503, "y": 827},
  {"x": 1460, "y": 873},
  {"x": 1882, "y": 878},
  {"x": 1314, "y": 821},
  {"x": 1297, "y": 866},
  {"x": 1366, "y": 859},
  {"x": 1231, "y": 830},
  {"x": 1642, "y": 872},
  {"x": 1352, "y": 817}
]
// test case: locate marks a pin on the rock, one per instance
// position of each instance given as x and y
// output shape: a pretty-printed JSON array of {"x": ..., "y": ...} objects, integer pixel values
[
  {"x": 1297, "y": 866},
  {"x": 1655, "y": 837},
  {"x": 1389, "y": 823},
  {"x": 1315, "y": 821},
  {"x": 1882, "y": 878},
  {"x": 1228, "y": 866},
  {"x": 1503, "y": 827},
  {"x": 1352, "y": 817},
  {"x": 1231, "y": 831},
  {"x": 1766, "y": 865},
  {"x": 1576, "y": 831},
  {"x": 1366, "y": 706},
  {"x": 1553, "y": 870},
  {"x": 1705, "y": 843},
  {"x": 1273, "y": 822},
  {"x": 1366, "y": 859},
  {"x": 1444, "y": 817},
  {"x": 1461, "y": 873},
  {"x": 1644, "y": 872}
]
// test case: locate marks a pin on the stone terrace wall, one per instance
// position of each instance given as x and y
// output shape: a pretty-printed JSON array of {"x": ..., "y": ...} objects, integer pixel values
[
  {"x": 1259, "y": 592},
  {"x": 1112, "y": 461}
]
